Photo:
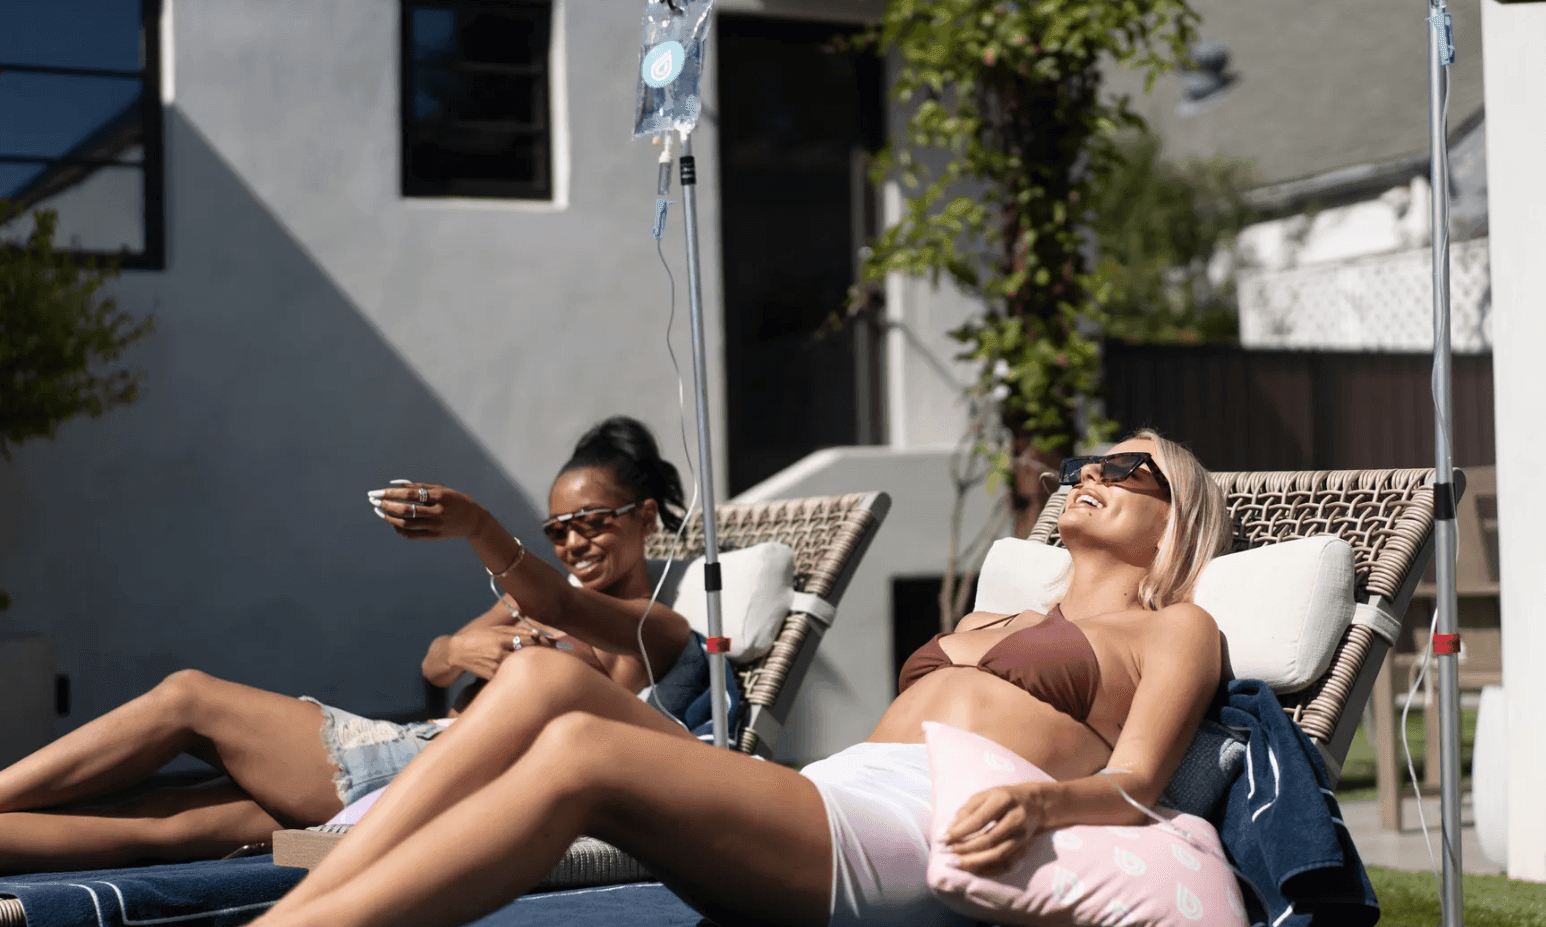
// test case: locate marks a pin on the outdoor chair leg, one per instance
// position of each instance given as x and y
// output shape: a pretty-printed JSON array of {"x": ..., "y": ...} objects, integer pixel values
[{"x": 1387, "y": 772}]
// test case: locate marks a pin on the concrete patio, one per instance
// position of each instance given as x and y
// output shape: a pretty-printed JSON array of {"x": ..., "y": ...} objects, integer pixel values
[{"x": 1405, "y": 849}]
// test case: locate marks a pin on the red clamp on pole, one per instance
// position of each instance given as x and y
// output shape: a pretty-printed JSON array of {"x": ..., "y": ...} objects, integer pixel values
[
  {"x": 1446, "y": 644},
  {"x": 717, "y": 645}
]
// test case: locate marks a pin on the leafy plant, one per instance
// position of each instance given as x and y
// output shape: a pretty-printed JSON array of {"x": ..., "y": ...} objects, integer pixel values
[
  {"x": 1008, "y": 143},
  {"x": 58, "y": 335},
  {"x": 1165, "y": 236}
]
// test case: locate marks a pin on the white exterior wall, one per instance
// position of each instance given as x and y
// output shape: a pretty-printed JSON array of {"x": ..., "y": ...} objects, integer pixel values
[
  {"x": 318, "y": 335},
  {"x": 1513, "y": 36},
  {"x": 853, "y": 677}
]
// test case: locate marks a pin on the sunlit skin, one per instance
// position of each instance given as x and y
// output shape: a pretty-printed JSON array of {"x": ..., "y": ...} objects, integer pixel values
[
  {"x": 269, "y": 743},
  {"x": 746, "y": 841},
  {"x": 611, "y": 563}
]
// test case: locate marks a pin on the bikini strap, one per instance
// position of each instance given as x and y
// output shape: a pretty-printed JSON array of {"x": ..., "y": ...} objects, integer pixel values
[
  {"x": 1091, "y": 728},
  {"x": 1002, "y": 619}
]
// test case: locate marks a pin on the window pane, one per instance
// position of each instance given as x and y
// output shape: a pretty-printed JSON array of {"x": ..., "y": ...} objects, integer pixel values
[
  {"x": 71, "y": 33},
  {"x": 99, "y": 210},
  {"x": 14, "y": 177},
  {"x": 452, "y": 95},
  {"x": 52, "y": 115},
  {"x": 512, "y": 36},
  {"x": 476, "y": 99}
]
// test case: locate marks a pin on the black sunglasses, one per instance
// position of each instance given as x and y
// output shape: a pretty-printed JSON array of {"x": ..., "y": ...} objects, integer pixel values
[
  {"x": 1114, "y": 468},
  {"x": 587, "y": 523}
]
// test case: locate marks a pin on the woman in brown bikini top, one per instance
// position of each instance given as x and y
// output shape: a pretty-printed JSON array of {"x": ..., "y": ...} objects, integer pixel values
[
  {"x": 1052, "y": 661},
  {"x": 488, "y": 809}
]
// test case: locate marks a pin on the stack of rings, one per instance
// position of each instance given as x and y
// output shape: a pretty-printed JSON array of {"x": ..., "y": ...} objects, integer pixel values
[{"x": 413, "y": 507}]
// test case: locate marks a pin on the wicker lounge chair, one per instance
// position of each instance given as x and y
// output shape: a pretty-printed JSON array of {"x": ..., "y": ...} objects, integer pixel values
[
  {"x": 829, "y": 535},
  {"x": 1387, "y": 518},
  {"x": 1385, "y": 515}
]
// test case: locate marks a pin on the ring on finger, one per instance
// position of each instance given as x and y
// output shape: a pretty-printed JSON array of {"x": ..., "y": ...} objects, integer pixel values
[
  {"x": 413, "y": 510},
  {"x": 423, "y": 496},
  {"x": 518, "y": 642}
]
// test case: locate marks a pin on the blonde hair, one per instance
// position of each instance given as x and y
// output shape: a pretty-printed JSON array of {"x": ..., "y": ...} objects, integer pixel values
[{"x": 1197, "y": 530}]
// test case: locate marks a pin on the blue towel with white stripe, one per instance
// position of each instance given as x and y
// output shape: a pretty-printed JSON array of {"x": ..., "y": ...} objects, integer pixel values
[
  {"x": 1282, "y": 826},
  {"x": 220, "y": 893}
]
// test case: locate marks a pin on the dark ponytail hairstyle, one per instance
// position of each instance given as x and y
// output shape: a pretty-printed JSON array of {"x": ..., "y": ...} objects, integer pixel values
[{"x": 626, "y": 447}]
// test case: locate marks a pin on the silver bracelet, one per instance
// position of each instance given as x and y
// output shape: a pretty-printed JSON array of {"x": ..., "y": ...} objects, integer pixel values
[{"x": 520, "y": 554}]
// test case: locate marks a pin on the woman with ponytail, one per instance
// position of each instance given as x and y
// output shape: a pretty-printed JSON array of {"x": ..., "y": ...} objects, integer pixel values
[{"x": 294, "y": 762}]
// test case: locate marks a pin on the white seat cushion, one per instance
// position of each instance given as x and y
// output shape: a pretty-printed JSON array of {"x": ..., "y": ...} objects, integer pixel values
[
  {"x": 1018, "y": 574},
  {"x": 1282, "y": 607},
  {"x": 758, "y": 584}
]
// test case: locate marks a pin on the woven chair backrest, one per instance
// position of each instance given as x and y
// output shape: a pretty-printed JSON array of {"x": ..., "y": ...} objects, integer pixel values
[
  {"x": 1385, "y": 515},
  {"x": 823, "y": 531}
]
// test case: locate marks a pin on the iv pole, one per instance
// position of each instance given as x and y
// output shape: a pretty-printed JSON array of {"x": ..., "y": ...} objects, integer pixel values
[
  {"x": 1441, "y": 53},
  {"x": 662, "y": 62},
  {"x": 711, "y": 580}
]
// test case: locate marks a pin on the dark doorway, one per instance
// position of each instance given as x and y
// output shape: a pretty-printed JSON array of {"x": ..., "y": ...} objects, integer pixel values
[
  {"x": 915, "y": 615},
  {"x": 796, "y": 120}
]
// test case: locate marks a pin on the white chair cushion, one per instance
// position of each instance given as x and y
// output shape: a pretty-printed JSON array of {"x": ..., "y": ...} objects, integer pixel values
[
  {"x": 1282, "y": 607},
  {"x": 758, "y": 584},
  {"x": 1018, "y": 574}
]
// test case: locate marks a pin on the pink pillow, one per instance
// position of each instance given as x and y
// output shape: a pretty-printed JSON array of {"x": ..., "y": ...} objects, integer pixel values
[
  {"x": 357, "y": 808},
  {"x": 1080, "y": 875}
]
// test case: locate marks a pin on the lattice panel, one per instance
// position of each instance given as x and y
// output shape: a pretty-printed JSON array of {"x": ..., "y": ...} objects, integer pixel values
[{"x": 1382, "y": 303}]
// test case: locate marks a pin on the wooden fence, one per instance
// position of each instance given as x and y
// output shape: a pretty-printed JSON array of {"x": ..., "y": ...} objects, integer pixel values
[{"x": 1298, "y": 410}]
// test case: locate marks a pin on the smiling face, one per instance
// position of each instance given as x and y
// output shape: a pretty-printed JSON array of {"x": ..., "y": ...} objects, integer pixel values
[
  {"x": 612, "y": 559},
  {"x": 1126, "y": 518}
]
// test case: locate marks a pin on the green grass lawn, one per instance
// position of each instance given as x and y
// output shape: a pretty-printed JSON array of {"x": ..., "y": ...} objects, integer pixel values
[
  {"x": 1411, "y": 899},
  {"x": 1357, "y": 782}
]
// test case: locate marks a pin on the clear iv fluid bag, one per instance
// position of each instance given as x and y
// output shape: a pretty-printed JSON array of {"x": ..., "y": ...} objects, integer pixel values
[{"x": 671, "y": 65}]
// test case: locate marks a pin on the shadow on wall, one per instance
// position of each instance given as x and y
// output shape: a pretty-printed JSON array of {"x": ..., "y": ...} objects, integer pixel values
[{"x": 220, "y": 522}]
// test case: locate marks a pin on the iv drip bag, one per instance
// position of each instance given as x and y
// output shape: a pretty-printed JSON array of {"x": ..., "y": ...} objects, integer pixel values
[{"x": 671, "y": 65}]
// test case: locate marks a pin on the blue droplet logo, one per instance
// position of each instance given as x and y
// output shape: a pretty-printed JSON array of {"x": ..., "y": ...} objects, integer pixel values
[{"x": 663, "y": 63}]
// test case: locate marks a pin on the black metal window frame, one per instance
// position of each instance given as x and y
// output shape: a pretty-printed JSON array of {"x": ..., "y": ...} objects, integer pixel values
[
  {"x": 541, "y": 189},
  {"x": 152, "y": 160}
]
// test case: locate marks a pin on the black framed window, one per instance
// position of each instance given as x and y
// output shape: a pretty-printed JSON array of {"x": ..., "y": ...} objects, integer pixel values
[
  {"x": 475, "y": 98},
  {"x": 80, "y": 124}
]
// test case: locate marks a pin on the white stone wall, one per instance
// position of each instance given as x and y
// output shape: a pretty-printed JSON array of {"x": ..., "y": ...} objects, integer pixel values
[{"x": 1513, "y": 36}]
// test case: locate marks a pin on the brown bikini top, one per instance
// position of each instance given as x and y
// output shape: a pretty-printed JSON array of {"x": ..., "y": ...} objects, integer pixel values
[{"x": 1052, "y": 661}]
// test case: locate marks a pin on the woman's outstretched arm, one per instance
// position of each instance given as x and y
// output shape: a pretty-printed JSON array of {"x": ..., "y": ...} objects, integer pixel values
[
  {"x": 734, "y": 835},
  {"x": 545, "y": 595}
]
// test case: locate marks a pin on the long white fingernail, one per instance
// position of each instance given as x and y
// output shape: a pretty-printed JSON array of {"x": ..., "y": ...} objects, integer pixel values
[
  {"x": 375, "y": 494},
  {"x": 401, "y": 482},
  {"x": 379, "y": 512}
]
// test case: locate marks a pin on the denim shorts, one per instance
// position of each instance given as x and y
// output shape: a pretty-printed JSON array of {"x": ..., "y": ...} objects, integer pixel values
[{"x": 367, "y": 753}]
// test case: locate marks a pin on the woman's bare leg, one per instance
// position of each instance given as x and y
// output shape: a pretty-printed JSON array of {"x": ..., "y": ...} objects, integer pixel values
[
  {"x": 170, "y": 825},
  {"x": 269, "y": 744},
  {"x": 744, "y": 841},
  {"x": 530, "y": 689}
]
